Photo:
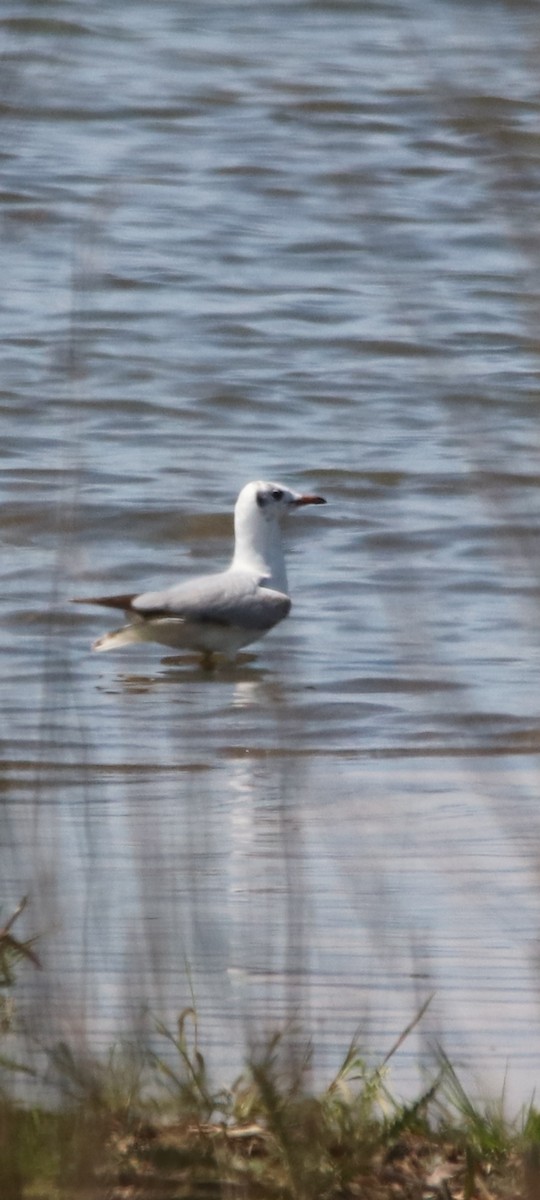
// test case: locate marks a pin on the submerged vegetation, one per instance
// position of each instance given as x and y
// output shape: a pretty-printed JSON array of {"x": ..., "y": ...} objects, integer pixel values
[{"x": 138, "y": 1125}]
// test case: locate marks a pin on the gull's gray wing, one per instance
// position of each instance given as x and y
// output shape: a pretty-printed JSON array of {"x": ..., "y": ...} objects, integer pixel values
[{"x": 230, "y": 598}]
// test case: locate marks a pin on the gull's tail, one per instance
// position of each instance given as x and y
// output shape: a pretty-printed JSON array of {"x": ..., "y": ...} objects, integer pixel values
[{"x": 126, "y": 636}]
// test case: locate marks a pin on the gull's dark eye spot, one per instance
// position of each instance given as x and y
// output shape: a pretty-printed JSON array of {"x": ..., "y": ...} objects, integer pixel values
[
  {"x": 262, "y": 499},
  {"x": 277, "y": 494}
]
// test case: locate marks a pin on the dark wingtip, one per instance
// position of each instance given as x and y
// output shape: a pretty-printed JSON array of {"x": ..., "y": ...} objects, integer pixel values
[{"x": 124, "y": 601}]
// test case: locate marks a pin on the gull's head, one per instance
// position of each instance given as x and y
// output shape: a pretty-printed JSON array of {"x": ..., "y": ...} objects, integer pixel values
[
  {"x": 258, "y": 514},
  {"x": 272, "y": 501}
]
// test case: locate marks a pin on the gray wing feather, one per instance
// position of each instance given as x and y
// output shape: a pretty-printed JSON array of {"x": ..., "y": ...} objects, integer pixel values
[{"x": 228, "y": 599}]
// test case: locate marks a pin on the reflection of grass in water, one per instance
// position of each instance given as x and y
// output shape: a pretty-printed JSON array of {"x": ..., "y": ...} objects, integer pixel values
[{"x": 137, "y": 1125}]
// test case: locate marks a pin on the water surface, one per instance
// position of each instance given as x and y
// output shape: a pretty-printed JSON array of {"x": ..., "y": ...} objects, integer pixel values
[{"x": 298, "y": 242}]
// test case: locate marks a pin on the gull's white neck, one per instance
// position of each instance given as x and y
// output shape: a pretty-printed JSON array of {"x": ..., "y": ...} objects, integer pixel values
[{"x": 258, "y": 546}]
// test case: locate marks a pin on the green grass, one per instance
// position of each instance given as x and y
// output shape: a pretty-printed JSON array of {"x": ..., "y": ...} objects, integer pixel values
[
  {"x": 135, "y": 1127},
  {"x": 140, "y": 1125}
]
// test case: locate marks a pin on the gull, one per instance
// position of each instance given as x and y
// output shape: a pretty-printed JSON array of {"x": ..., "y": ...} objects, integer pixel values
[{"x": 219, "y": 613}]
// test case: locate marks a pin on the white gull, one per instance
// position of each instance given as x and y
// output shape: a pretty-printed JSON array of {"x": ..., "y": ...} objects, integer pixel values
[{"x": 219, "y": 613}]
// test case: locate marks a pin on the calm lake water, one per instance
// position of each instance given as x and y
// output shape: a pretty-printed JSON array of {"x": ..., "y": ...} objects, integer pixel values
[{"x": 295, "y": 240}]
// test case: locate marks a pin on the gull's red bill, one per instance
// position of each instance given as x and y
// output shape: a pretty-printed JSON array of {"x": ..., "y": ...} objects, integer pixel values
[{"x": 309, "y": 500}]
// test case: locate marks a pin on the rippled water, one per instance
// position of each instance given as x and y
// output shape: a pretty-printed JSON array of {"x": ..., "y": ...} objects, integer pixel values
[{"x": 295, "y": 241}]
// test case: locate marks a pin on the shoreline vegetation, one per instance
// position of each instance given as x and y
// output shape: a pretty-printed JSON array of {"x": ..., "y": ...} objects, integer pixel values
[{"x": 141, "y": 1126}]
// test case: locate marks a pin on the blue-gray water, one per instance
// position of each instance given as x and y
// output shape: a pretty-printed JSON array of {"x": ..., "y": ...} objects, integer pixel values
[{"x": 297, "y": 241}]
